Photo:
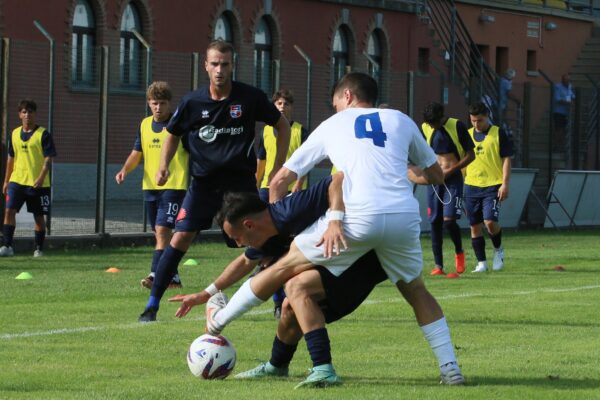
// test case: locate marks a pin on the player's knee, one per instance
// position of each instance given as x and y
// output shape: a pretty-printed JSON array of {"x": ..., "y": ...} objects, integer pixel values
[
  {"x": 287, "y": 313},
  {"x": 295, "y": 287},
  {"x": 490, "y": 225},
  {"x": 412, "y": 290},
  {"x": 182, "y": 240}
]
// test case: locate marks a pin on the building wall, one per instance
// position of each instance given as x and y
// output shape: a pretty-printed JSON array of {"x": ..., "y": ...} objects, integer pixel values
[{"x": 176, "y": 30}]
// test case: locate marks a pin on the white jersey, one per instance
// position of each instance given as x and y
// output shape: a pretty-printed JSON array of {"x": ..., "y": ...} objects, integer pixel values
[{"x": 373, "y": 148}]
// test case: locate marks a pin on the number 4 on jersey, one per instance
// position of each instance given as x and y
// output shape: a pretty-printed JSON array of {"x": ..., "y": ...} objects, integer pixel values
[{"x": 369, "y": 126}]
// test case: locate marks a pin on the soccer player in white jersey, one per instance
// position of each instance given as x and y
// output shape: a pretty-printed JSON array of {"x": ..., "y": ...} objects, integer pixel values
[{"x": 373, "y": 147}]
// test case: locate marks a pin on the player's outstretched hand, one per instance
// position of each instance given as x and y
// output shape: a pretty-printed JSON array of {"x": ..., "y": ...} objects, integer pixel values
[
  {"x": 189, "y": 301},
  {"x": 333, "y": 239}
]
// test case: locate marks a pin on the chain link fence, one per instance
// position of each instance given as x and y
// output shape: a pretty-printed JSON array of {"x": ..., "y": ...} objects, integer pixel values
[{"x": 85, "y": 203}]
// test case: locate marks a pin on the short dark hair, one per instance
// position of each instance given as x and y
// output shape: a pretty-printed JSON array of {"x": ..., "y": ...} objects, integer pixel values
[
  {"x": 237, "y": 205},
  {"x": 478, "y": 109},
  {"x": 362, "y": 86},
  {"x": 27, "y": 104},
  {"x": 433, "y": 113},
  {"x": 221, "y": 46},
  {"x": 285, "y": 94}
]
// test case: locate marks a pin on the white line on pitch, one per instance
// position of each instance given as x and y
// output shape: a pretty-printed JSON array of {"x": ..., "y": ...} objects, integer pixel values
[{"x": 10, "y": 336}]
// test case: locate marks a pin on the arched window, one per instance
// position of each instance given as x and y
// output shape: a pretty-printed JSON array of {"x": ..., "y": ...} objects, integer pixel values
[
  {"x": 263, "y": 55},
  {"x": 375, "y": 58},
  {"x": 341, "y": 54},
  {"x": 82, "y": 44},
  {"x": 223, "y": 29},
  {"x": 130, "y": 55}
]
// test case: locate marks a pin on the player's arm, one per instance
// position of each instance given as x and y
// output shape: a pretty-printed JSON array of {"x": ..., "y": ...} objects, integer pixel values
[
  {"x": 333, "y": 237},
  {"x": 39, "y": 181},
  {"x": 432, "y": 175},
  {"x": 424, "y": 168},
  {"x": 280, "y": 182},
  {"x": 167, "y": 152},
  {"x": 10, "y": 165},
  {"x": 235, "y": 271},
  {"x": 133, "y": 160},
  {"x": 506, "y": 169},
  {"x": 283, "y": 143},
  {"x": 299, "y": 184},
  {"x": 260, "y": 171}
]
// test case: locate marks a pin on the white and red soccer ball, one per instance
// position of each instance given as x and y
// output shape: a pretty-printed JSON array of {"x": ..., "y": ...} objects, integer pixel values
[{"x": 211, "y": 357}]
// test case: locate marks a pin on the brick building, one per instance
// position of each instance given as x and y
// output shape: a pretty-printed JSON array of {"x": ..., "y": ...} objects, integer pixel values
[{"x": 395, "y": 40}]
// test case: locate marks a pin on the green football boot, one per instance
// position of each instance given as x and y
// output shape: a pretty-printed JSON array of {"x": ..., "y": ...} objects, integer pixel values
[
  {"x": 263, "y": 370},
  {"x": 320, "y": 376}
]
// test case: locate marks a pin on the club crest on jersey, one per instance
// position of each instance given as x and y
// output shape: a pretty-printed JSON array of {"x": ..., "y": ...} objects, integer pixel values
[
  {"x": 205, "y": 114},
  {"x": 235, "y": 110}
]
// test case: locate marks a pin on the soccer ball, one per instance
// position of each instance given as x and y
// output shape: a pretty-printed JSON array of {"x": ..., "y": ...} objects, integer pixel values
[{"x": 211, "y": 357}]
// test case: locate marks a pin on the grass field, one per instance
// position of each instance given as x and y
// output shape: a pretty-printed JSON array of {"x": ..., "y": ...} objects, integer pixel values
[{"x": 523, "y": 333}]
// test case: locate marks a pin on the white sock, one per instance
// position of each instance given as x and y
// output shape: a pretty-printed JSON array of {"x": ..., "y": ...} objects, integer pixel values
[
  {"x": 242, "y": 300},
  {"x": 438, "y": 336}
]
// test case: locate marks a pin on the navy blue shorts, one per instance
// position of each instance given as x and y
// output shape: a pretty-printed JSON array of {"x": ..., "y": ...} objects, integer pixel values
[
  {"x": 482, "y": 204},
  {"x": 38, "y": 200},
  {"x": 162, "y": 206},
  {"x": 451, "y": 195},
  {"x": 204, "y": 199},
  {"x": 346, "y": 292},
  {"x": 263, "y": 193}
]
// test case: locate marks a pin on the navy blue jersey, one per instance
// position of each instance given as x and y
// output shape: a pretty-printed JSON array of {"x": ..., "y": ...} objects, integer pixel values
[
  {"x": 221, "y": 133},
  {"x": 442, "y": 143},
  {"x": 506, "y": 142},
  {"x": 47, "y": 143},
  {"x": 157, "y": 127},
  {"x": 291, "y": 215}
]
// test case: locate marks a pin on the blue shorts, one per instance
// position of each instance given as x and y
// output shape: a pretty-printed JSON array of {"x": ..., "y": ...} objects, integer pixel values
[
  {"x": 482, "y": 204},
  {"x": 38, "y": 200},
  {"x": 204, "y": 199},
  {"x": 162, "y": 206},
  {"x": 263, "y": 193},
  {"x": 451, "y": 195}
]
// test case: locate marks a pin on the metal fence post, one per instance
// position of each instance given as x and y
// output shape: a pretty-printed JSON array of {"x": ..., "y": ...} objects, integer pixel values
[
  {"x": 308, "y": 83},
  {"x": 195, "y": 70},
  {"x": 50, "y": 112},
  {"x": 4, "y": 60},
  {"x": 144, "y": 43},
  {"x": 410, "y": 94},
  {"x": 102, "y": 139}
]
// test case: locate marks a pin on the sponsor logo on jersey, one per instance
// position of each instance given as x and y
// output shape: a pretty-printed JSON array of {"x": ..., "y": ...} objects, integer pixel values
[
  {"x": 205, "y": 114},
  {"x": 235, "y": 110},
  {"x": 208, "y": 133}
]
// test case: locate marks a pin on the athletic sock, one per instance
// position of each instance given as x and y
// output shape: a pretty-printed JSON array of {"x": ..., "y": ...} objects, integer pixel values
[
  {"x": 282, "y": 353},
  {"x": 241, "y": 301},
  {"x": 155, "y": 259},
  {"x": 454, "y": 230},
  {"x": 438, "y": 336},
  {"x": 479, "y": 247},
  {"x": 39, "y": 239},
  {"x": 437, "y": 240},
  {"x": 165, "y": 270},
  {"x": 497, "y": 239},
  {"x": 8, "y": 232},
  {"x": 318, "y": 345}
]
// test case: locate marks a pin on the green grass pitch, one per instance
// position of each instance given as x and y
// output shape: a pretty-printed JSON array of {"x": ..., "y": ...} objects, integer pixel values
[{"x": 524, "y": 333}]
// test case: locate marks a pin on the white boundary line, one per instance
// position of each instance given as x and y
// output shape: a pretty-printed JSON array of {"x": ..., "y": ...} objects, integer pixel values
[{"x": 11, "y": 336}]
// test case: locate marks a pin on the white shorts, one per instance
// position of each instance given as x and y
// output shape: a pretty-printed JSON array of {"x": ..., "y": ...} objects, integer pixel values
[{"x": 394, "y": 237}]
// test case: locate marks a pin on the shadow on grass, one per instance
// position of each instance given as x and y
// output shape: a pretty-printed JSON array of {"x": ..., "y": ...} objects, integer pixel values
[{"x": 474, "y": 381}]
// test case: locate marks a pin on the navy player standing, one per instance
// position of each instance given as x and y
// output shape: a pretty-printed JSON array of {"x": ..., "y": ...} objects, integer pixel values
[{"x": 219, "y": 121}]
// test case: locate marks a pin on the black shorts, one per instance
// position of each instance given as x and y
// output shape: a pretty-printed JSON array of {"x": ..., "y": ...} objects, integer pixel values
[
  {"x": 560, "y": 120},
  {"x": 346, "y": 292},
  {"x": 37, "y": 200},
  {"x": 204, "y": 199}
]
